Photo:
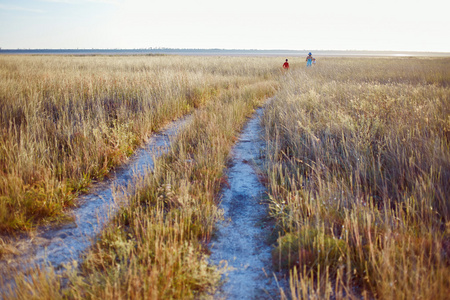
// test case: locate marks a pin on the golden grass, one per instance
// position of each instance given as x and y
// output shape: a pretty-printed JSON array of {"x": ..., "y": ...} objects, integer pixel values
[
  {"x": 358, "y": 165},
  {"x": 156, "y": 246},
  {"x": 65, "y": 121},
  {"x": 359, "y": 172}
]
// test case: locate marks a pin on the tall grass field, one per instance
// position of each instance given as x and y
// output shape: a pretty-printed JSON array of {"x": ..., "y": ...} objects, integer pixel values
[
  {"x": 357, "y": 170},
  {"x": 66, "y": 121},
  {"x": 359, "y": 177}
]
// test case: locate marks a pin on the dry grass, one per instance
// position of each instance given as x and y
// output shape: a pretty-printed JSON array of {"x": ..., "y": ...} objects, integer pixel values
[
  {"x": 156, "y": 245},
  {"x": 359, "y": 171},
  {"x": 66, "y": 121}
]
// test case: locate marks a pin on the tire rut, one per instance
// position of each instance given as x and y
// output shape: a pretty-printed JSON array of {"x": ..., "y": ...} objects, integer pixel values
[
  {"x": 66, "y": 243},
  {"x": 241, "y": 242}
]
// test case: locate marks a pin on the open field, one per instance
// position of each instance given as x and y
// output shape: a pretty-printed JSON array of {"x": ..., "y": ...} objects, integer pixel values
[
  {"x": 358, "y": 170},
  {"x": 157, "y": 243},
  {"x": 359, "y": 177},
  {"x": 65, "y": 121}
]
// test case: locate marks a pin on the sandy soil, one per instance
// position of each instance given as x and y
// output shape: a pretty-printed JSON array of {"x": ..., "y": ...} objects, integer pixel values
[
  {"x": 57, "y": 246},
  {"x": 241, "y": 241}
]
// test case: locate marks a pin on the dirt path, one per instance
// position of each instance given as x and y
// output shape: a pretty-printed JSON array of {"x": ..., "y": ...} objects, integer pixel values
[
  {"x": 242, "y": 237},
  {"x": 66, "y": 243}
]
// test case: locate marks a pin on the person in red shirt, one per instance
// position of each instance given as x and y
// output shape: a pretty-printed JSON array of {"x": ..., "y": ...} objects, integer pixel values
[{"x": 286, "y": 65}]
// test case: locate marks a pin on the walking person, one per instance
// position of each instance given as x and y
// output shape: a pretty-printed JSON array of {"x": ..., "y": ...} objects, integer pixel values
[
  {"x": 286, "y": 65},
  {"x": 309, "y": 59}
]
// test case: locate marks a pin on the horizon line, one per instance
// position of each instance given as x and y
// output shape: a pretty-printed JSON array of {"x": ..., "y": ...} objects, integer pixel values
[{"x": 222, "y": 49}]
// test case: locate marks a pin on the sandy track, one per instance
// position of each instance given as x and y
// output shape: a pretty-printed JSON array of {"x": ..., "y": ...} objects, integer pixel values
[
  {"x": 241, "y": 240},
  {"x": 66, "y": 243}
]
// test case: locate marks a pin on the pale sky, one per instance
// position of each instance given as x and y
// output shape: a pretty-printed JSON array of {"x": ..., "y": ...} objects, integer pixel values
[{"x": 400, "y": 25}]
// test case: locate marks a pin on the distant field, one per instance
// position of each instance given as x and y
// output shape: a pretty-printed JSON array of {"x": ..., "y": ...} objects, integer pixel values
[{"x": 224, "y": 52}]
